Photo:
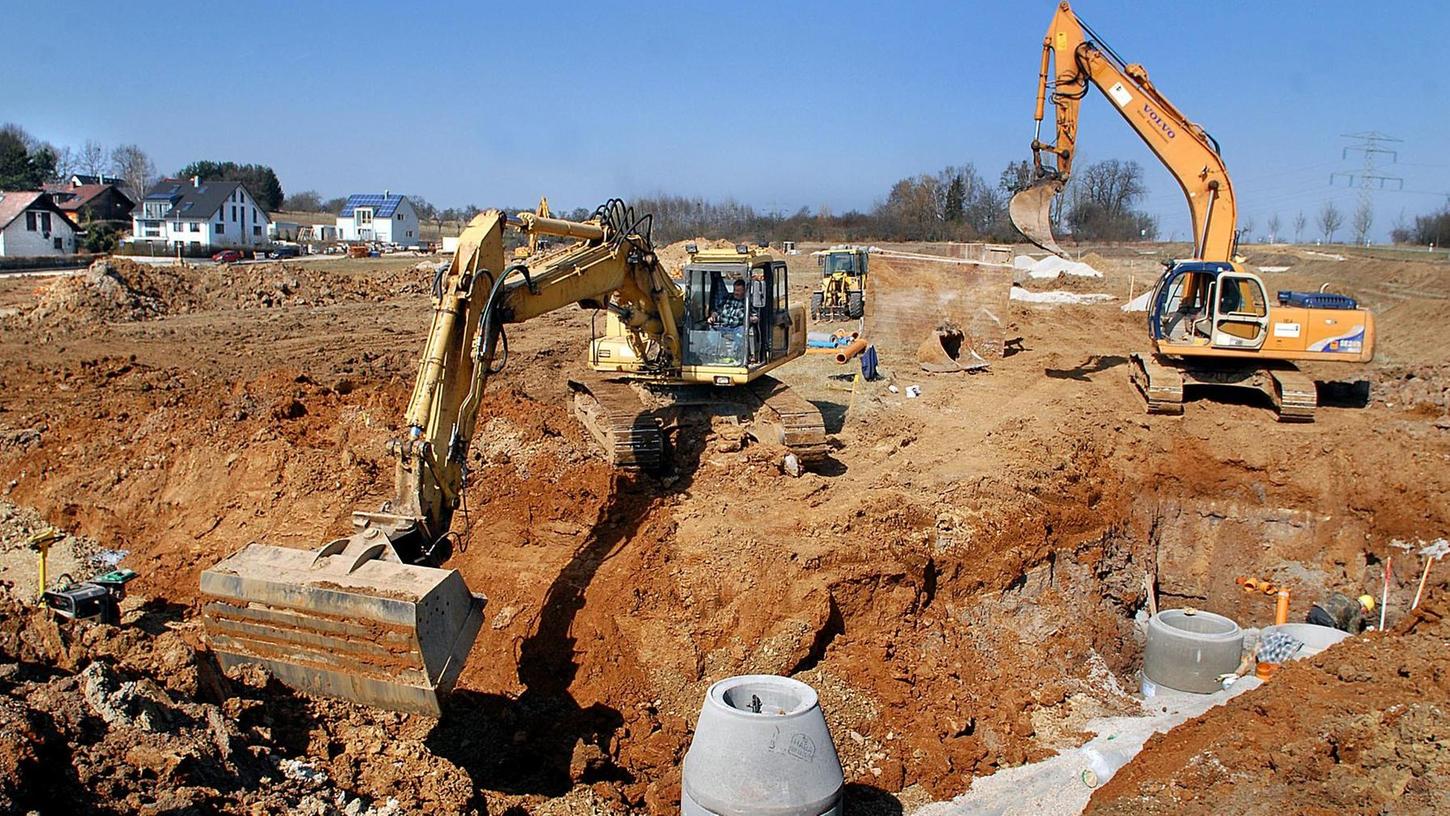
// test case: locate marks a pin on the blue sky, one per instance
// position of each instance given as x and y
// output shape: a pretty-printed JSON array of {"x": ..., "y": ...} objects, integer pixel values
[{"x": 776, "y": 104}]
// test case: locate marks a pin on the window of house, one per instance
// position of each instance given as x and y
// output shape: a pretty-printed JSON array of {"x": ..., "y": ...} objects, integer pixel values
[
  {"x": 195, "y": 226},
  {"x": 57, "y": 243},
  {"x": 256, "y": 230},
  {"x": 410, "y": 233},
  {"x": 234, "y": 212},
  {"x": 45, "y": 221},
  {"x": 30, "y": 221},
  {"x": 400, "y": 216},
  {"x": 221, "y": 228},
  {"x": 362, "y": 215}
]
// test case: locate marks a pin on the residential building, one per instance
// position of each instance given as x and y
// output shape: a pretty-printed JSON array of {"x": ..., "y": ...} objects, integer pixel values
[
  {"x": 83, "y": 203},
  {"x": 199, "y": 215},
  {"x": 387, "y": 218},
  {"x": 31, "y": 226}
]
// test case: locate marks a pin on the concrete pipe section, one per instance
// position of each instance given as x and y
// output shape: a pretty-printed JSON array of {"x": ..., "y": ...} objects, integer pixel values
[
  {"x": 761, "y": 747},
  {"x": 1187, "y": 649}
]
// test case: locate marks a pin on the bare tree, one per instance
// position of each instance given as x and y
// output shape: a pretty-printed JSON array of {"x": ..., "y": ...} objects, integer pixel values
[
  {"x": 1363, "y": 220},
  {"x": 1299, "y": 223},
  {"x": 1246, "y": 228},
  {"x": 92, "y": 158},
  {"x": 1330, "y": 220},
  {"x": 131, "y": 164},
  {"x": 66, "y": 163},
  {"x": 1274, "y": 225}
]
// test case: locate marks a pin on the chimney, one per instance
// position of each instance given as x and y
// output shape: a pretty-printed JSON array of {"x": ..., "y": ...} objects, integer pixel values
[
  {"x": 196, "y": 181},
  {"x": 387, "y": 193}
]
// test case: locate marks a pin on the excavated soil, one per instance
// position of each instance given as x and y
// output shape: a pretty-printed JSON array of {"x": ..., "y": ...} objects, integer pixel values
[{"x": 959, "y": 581}]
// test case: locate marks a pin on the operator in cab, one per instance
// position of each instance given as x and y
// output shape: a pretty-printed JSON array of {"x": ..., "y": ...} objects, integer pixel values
[{"x": 730, "y": 314}]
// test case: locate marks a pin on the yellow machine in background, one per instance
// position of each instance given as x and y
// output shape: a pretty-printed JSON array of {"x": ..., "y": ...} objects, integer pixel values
[
  {"x": 371, "y": 617},
  {"x": 1211, "y": 321},
  {"x": 533, "y": 242},
  {"x": 842, "y": 295}
]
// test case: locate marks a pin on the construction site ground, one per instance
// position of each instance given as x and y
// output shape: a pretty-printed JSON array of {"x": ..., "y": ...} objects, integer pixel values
[{"x": 960, "y": 582}]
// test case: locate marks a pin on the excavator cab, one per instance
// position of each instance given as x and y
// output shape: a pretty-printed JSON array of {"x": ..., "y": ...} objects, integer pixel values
[
  {"x": 1209, "y": 304},
  {"x": 738, "y": 319}
]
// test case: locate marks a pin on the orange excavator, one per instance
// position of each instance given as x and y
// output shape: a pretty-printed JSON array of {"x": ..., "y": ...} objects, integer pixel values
[{"x": 1210, "y": 321}]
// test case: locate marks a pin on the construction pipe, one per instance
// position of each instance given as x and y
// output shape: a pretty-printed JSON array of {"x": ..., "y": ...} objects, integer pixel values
[
  {"x": 846, "y": 354},
  {"x": 1281, "y": 608},
  {"x": 851, "y": 334}
]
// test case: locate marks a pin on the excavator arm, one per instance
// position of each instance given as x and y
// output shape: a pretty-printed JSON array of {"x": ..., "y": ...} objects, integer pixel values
[
  {"x": 1073, "y": 57},
  {"x": 371, "y": 617}
]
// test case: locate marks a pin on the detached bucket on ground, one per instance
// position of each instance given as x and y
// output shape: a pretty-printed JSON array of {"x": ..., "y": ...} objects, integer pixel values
[
  {"x": 343, "y": 622},
  {"x": 945, "y": 350}
]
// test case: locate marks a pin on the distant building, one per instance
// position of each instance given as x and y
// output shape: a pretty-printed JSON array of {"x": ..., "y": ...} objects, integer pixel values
[
  {"x": 388, "y": 218},
  {"x": 84, "y": 202},
  {"x": 31, "y": 226},
  {"x": 198, "y": 215}
]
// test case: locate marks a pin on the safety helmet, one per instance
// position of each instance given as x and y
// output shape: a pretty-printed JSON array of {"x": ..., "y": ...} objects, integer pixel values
[{"x": 1367, "y": 601}]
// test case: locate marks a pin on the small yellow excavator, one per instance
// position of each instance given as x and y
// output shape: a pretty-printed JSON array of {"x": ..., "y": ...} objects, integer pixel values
[
  {"x": 373, "y": 617},
  {"x": 1211, "y": 322},
  {"x": 842, "y": 295}
]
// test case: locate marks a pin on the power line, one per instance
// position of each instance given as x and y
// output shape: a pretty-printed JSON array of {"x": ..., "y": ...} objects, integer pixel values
[{"x": 1372, "y": 147}]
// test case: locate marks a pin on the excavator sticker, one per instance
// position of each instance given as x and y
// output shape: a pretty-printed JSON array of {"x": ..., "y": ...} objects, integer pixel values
[
  {"x": 1120, "y": 94},
  {"x": 1351, "y": 343}
]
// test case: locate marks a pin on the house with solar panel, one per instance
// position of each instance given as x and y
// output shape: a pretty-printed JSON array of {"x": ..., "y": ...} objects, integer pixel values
[
  {"x": 198, "y": 216},
  {"x": 386, "y": 218}
]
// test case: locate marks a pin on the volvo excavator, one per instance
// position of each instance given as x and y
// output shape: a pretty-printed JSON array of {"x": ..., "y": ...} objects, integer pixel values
[
  {"x": 375, "y": 617},
  {"x": 1210, "y": 321}
]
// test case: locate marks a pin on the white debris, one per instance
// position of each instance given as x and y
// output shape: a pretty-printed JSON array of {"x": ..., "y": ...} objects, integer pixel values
[
  {"x": 1273, "y": 269},
  {"x": 1058, "y": 296},
  {"x": 1052, "y": 266}
]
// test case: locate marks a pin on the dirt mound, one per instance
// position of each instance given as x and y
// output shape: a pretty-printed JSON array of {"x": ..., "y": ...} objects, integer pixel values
[
  {"x": 121, "y": 290},
  {"x": 1358, "y": 729},
  {"x": 674, "y": 257},
  {"x": 135, "y": 720},
  {"x": 113, "y": 289}
]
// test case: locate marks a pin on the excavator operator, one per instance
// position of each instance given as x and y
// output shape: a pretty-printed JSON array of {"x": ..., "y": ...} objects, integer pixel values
[{"x": 730, "y": 314}]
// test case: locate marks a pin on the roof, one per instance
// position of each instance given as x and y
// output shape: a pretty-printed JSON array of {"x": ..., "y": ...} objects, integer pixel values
[
  {"x": 101, "y": 179},
  {"x": 383, "y": 205},
  {"x": 189, "y": 201},
  {"x": 73, "y": 198},
  {"x": 13, "y": 204}
]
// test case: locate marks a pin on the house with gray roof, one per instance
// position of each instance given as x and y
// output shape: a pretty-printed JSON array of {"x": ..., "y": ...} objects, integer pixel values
[
  {"x": 195, "y": 216},
  {"x": 386, "y": 218}
]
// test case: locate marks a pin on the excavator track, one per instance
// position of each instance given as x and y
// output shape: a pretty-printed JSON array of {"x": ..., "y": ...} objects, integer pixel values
[
  {"x": 631, "y": 435},
  {"x": 794, "y": 421},
  {"x": 1160, "y": 385},
  {"x": 1294, "y": 394}
]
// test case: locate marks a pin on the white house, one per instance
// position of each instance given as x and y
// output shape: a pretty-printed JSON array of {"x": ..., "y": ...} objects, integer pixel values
[
  {"x": 388, "y": 218},
  {"x": 199, "y": 215},
  {"x": 32, "y": 226}
]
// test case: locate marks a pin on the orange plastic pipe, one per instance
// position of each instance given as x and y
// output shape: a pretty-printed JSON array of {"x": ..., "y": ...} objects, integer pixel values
[
  {"x": 844, "y": 355},
  {"x": 1281, "y": 609}
]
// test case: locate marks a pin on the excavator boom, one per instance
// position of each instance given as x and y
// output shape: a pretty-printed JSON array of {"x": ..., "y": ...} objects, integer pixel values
[{"x": 1074, "y": 58}]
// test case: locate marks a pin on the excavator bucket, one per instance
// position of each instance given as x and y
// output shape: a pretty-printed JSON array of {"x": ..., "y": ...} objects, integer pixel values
[
  {"x": 1031, "y": 210},
  {"x": 343, "y": 622}
]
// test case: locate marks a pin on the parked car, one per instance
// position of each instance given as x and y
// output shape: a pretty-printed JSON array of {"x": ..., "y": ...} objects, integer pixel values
[
  {"x": 227, "y": 256},
  {"x": 284, "y": 251}
]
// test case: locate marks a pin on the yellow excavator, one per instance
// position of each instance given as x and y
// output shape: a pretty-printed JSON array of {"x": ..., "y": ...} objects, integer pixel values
[
  {"x": 373, "y": 617},
  {"x": 1210, "y": 321},
  {"x": 842, "y": 294}
]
